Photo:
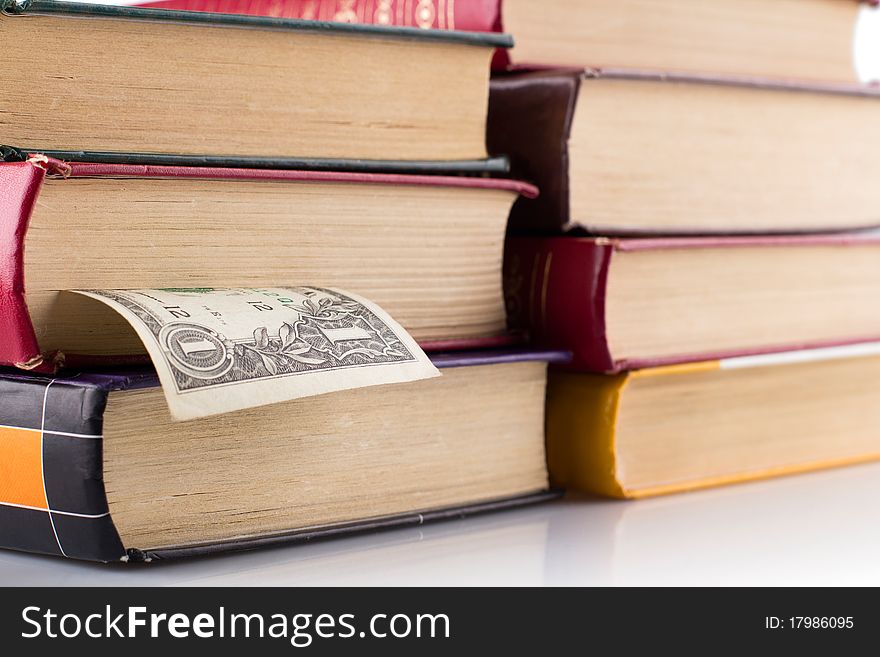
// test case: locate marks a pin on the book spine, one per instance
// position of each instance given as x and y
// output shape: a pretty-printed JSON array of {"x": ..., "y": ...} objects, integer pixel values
[
  {"x": 464, "y": 15},
  {"x": 555, "y": 290},
  {"x": 582, "y": 412},
  {"x": 20, "y": 184},
  {"x": 529, "y": 120},
  {"x": 52, "y": 497}
]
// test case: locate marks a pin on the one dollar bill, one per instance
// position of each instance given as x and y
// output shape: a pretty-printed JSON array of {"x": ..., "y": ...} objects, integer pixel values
[{"x": 218, "y": 350}]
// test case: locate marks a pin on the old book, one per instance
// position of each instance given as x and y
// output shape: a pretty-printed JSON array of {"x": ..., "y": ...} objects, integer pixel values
[
  {"x": 633, "y": 303},
  {"x": 467, "y": 15},
  {"x": 824, "y": 39},
  {"x": 246, "y": 89},
  {"x": 668, "y": 429},
  {"x": 713, "y": 155},
  {"x": 428, "y": 249},
  {"x": 94, "y": 468}
]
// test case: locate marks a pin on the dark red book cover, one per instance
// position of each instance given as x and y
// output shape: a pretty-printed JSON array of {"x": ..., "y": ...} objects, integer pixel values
[
  {"x": 556, "y": 287},
  {"x": 531, "y": 115},
  {"x": 20, "y": 184}
]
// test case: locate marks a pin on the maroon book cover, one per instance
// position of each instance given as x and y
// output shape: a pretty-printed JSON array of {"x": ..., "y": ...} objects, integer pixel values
[
  {"x": 556, "y": 290},
  {"x": 531, "y": 115},
  {"x": 20, "y": 184}
]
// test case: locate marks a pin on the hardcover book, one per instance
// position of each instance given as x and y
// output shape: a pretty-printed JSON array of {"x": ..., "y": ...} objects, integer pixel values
[
  {"x": 714, "y": 155},
  {"x": 623, "y": 304},
  {"x": 824, "y": 39},
  {"x": 428, "y": 249},
  {"x": 668, "y": 429},
  {"x": 93, "y": 467},
  {"x": 189, "y": 87}
]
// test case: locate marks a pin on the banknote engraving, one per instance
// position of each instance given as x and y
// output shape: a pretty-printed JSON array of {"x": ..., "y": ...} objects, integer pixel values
[
  {"x": 328, "y": 330},
  {"x": 233, "y": 348}
]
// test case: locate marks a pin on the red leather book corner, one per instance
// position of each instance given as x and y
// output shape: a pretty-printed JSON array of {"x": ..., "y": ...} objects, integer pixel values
[
  {"x": 555, "y": 290},
  {"x": 19, "y": 187}
]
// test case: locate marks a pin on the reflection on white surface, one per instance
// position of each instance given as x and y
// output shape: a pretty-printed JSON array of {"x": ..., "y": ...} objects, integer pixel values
[{"x": 818, "y": 529}]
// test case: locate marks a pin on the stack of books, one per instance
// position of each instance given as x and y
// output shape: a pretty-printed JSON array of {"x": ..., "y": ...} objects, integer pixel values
[
  {"x": 706, "y": 178},
  {"x": 695, "y": 270},
  {"x": 184, "y": 151},
  {"x": 699, "y": 241}
]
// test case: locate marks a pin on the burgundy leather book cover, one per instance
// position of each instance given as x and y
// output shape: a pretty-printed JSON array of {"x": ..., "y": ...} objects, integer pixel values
[
  {"x": 90, "y": 170},
  {"x": 57, "y": 504},
  {"x": 530, "y": 118},
  {"x": 530, "y": 121},
  {"x": 555, "y": 290},
  {"x": 20, "y": 184}
]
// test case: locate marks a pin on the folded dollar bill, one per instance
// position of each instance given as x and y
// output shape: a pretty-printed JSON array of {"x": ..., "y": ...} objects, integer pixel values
[{"x": 224, "y": 349}]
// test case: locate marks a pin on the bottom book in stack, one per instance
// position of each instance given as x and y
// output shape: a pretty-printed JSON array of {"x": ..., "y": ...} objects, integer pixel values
[
  {"x": 93, "y": 467},
  {"x": 666, "y": 429}
]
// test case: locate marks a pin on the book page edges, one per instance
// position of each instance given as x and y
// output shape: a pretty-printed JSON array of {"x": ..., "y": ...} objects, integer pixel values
[{"x": 745, "y": 477}]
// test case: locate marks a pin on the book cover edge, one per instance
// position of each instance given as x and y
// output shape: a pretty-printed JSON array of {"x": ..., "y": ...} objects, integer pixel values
[
  {"x": 497, "y": 164},
  {"x": 22, "y": 182},
  {"x": 51, "y": 7},
  {"x": 56, "y": 504},
  {"x": 364, "y": 526}
]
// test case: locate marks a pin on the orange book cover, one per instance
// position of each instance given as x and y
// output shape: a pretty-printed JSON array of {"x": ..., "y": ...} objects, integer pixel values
[{"x": 802, "y": 412}]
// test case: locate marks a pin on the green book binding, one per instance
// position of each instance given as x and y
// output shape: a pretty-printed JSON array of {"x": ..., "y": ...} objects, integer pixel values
[{"x": 125, "y": 84}]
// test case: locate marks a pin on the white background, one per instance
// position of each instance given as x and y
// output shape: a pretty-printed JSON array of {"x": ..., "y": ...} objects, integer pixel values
[{"x": 815, "y": 529}]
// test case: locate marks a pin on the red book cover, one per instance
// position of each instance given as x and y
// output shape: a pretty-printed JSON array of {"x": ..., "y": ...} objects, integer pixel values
[
  {"x": 463, "y": 15},
  {"x": 20, "y": 185},
  {"x": 466, "y": 15},
  {"x": 556, "y": 291}
]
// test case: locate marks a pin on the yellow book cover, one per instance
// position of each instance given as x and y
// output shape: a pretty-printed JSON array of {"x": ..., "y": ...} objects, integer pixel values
[{"x": 669, "y": 429}]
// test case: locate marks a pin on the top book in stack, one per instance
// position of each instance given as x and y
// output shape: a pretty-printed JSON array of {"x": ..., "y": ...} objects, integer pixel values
[
  {"x": 829, "y": 40},
  {"x": 185, "y": 87}
]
